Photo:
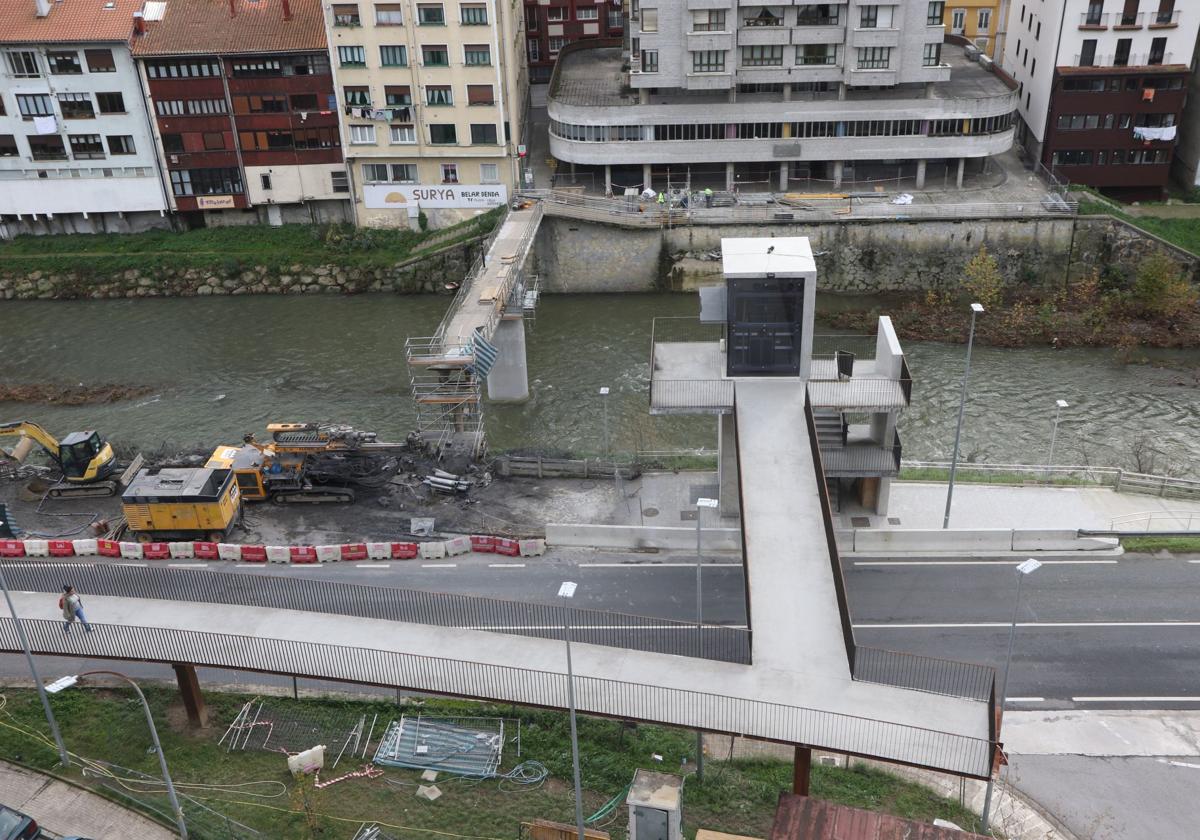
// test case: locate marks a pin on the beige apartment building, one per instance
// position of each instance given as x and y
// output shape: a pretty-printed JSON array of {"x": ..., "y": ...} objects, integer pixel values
[{"x": 431, "y": 98}]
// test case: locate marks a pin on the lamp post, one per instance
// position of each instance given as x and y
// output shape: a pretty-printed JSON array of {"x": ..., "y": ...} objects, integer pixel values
[
  {"x": 1060, "y": 405},
  {"x": 604, "y": 392},
  {"x": 701, "y": 504},
  {"x": 976, "y": 308},
  {"x": 67, "y": 682},
  {"x": 1023, "y": 570},
  {"x": 58, "y": 741},
  {"x": 567, "y": 591}
]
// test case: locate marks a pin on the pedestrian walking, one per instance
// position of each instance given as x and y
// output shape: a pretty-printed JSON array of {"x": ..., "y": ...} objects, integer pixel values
[
  {"x": 708, "y": 196},
  {"x": 72, "y": 608}
]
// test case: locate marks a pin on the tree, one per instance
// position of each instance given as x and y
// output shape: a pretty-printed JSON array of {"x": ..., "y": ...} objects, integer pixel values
[
  {"x": 983, "y": 280},
  {"x": 1160, "y": 290}
]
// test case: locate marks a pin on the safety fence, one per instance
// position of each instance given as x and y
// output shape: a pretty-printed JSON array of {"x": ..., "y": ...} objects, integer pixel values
[
  {"x": 438, "y": 609},
  {"x": 1121, "y": 480},
  {"x": 951, "y": 752}
]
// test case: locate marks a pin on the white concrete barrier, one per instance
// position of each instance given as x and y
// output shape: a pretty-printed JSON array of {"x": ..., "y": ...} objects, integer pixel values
[
  {"x": 84, "y": 548},
  {"x": 37, "y": 548},
  {"x": 887, "y": 540},
  {"x": 643, "y": 536},
  {"x": 329, "y": 553},
  {"x": 432, "y": 550},
  {"x": 278, "y": 554},
  {"x": 131, "y": 550},
  {"x": 182, "y": 550},
  {"x": 532, "y": 548},
  {"x": 229, "y": 551},
  {"x": 379, "y": 551},
  {"x": 1062, "y": 540},
  {"x": 458, "y": 545}
]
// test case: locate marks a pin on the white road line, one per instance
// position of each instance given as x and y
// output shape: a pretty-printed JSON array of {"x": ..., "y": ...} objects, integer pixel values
[
  {"x": 1194, "y": 561},
  {"x": 655, "y": 565},
  {"x": 439, "y": 566},
  {"x": 1178, "y": 763},
  {"x": 506, "y": 565},
  {"x": 131, "y": 564},
  {"x": 997, "y": 563},
  {"x": 373, "y": 566},
  {"x": 186, "y": 565},
  {"x": 1135, "y": 699},
  {"x": 625, "y": 627},
  {"x": 1026, "y": 700},
  {"x": 1041, "y": 624}
]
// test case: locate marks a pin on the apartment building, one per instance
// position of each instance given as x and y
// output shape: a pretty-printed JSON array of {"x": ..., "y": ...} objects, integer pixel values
[
  {"x": 1185, "y": 168},
  {"x": 979, "y": 21},
  {"x": 76, "y": 152},
  {"x": 431, "y": 97},
  {"x": 244, "y": 110},
  {"x": 549, "y": 28},
  {"x": 815, "y": 95},
  {"x": 1102, "y": 85}
]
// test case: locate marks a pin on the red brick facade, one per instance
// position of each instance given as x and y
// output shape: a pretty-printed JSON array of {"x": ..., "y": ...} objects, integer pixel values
[{"x": 548, "y": 28}]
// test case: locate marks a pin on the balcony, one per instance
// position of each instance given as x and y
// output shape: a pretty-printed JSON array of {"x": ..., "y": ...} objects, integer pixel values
[
  {"x": 849, "y": 374},
  {"x": 861, "y": 456},
  {"x": 687, "y": 368},
  {"x": 1128, "y": 21},
  {"x": 1164, "y": 19},
  {"x": 1094, "y": 20}
]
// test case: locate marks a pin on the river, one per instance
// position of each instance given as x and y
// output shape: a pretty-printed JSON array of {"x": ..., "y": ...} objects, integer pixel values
[{"x": 221, "y": 367}]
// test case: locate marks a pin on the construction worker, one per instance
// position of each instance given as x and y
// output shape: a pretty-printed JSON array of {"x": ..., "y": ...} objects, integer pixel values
[
  {"x": 662, "y": 199},
  {"x": 708, "y": 196}
]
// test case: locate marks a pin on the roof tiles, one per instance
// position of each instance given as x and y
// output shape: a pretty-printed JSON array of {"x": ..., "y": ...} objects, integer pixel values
[
  {"x": 232, "y": 27},
  {"x": 69, "y": 21}
]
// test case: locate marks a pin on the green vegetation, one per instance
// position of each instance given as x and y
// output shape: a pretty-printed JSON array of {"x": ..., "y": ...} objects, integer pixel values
[
  {"x": 232, "y": 249},
  {"x": 1184, "y": 233},
  {"x": 965, "y": 475},
  {"x": 1174, "y": 545},
  {"x": 737, "y": 797}
]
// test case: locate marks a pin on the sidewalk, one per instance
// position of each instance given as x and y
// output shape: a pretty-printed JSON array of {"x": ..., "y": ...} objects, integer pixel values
[{"x": 67, "y": 810}]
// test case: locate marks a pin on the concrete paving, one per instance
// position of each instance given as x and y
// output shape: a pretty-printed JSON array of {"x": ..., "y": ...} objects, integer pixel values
[{"x": 68, "y": 810}]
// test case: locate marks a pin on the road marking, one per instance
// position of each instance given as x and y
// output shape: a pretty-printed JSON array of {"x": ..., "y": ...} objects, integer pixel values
[
  {"x": 1046, "y": 624},
  {"x": 186, "y": 565},
  {"x": 42, "y": 565},
  {"x": 313, "y": 565},
  {"x": 624, "y": 627},
  {"x": 1026, "y": 700},
  {"x": 997, "y": 563},
  {"x": 1135, "y": 699},
  {"x": 439, "y": 565},
  {"x": 506, "y": 565},
  {"x": 1178, "y": 763},
  {"x": 131, "y": 564},
  {"x": 1194, "y": 561},
  {"x": 374, "y": 566},
  {"x": 655, "y": 565}
]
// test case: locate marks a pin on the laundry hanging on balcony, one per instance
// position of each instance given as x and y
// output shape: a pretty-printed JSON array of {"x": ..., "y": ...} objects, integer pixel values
[
  {"x": 1143, "y": 132},
  {"x": 485, "y": 354}
]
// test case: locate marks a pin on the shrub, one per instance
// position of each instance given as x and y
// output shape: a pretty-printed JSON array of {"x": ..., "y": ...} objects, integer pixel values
[
  {"x": 1160, "y": 289},
  {"x": 422, "y": 220},
  {"x": 983, "y": 280}
]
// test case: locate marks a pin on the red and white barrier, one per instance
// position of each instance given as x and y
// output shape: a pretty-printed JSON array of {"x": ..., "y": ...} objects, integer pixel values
[
  {"x": 130, "y": 550},
  {"x": 278, "y": 554},
  {"x": 37, "y": 548},
  {"x": 183, "y": 550}
]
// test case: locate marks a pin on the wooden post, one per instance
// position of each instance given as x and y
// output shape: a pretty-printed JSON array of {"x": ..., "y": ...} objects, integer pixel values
[
  {"x": 801, "y": 770},
  {"x": 189, "y": 690}
]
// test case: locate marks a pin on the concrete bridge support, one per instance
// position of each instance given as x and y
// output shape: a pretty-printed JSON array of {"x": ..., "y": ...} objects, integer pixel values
[
  {"x": 508, "y": 380},
  {"x": 189, "y": 691}
]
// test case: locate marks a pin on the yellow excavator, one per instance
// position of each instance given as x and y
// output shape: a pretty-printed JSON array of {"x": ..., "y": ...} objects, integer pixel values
[{"x": 86, "y": 460}]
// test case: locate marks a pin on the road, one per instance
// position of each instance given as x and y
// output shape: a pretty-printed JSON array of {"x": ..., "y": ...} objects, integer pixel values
[{"x": 1113, "y": 633}]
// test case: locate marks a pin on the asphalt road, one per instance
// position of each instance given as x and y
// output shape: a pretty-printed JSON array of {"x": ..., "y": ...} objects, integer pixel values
[{"x": 1116, "y": 633}]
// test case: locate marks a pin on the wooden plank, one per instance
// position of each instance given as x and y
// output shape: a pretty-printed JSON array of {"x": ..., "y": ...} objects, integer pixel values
[{"x": 489, "y": 294}]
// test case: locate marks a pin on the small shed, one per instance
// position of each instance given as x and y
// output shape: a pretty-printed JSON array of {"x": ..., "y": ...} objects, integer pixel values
[{"x": 655, "y": 803}]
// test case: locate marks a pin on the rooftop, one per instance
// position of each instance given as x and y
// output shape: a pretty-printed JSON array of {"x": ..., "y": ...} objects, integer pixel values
[
  {"x": 805, "y": 818},
  {"x": 69, "y": 21},
  {"x": 789, "y": 256},
  {"x": 207, "y": 27},
  {"x": 593, "y": 78}
]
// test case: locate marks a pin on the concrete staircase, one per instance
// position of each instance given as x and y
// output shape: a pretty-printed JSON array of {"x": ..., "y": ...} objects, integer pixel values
[{"x": 831, "y": 429}]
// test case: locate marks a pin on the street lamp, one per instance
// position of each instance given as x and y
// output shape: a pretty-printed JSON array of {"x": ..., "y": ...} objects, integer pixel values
[
  {"x": 701, "y": 504},
  {"x": 1061, "y": 404},
  {"x": 567, "y": 591},
  {"x": 58, "y": 741},
  {"x": 604, "y": 392},
  {"x": 976, "y": 308},
  {"x": 1023, "y": 570},
  {"x": 67, "y": 682}
]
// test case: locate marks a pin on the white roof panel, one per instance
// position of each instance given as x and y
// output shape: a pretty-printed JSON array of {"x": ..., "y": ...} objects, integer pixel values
[{"x": 782, "y": 256}]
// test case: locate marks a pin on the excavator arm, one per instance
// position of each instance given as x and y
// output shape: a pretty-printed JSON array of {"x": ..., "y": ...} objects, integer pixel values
[
  {"x": 82, "y": 457},
  {"x": 23, "y": 428}
]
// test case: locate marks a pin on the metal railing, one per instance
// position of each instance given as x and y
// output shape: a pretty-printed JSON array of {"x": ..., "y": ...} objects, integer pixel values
[
  {"x": 1096, "y": 19},
  {"x": 924, "y": 673},
  {"x": 1165, "y": 18},
  {"x": 1121, "y": 480},
  {"x": 1168, "y": 520},
  {"x": 858, "y": 393},
  {"x": 713, "y": 712},
  {"x": 683, "y": 328},
  {"x": 701, "y": 396},
  {"x": 629, "y": 632}
]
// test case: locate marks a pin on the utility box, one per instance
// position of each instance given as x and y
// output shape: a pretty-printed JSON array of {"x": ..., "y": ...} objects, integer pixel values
[{"x": 655, "y": 803}]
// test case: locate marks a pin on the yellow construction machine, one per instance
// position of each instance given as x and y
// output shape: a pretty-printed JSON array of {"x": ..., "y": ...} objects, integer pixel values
[
  {"x": 181, "y": 504},
  {"x": 86, "y": 460}
]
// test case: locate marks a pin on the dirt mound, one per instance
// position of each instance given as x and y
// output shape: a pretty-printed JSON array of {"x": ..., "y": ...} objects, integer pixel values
[{"x": 71, "y": 394}]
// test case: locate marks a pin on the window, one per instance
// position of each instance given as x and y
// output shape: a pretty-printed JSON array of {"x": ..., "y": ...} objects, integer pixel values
[
  {"x": 435, "y": 56},
  {"x": 443, "y": 135},
  {"x": 555, "y": 44},
  {"x": 765, "y": 55},
  {"x": 22, "y": 63},
  {"x": 958, "y": 23},
  {"x": 303, "y": 101},
  {"x": 818, "y": 14},
  {"x": 1073, "y": 158},
  {"x": 1079, "y": 122},
  {"x": 449, "y": 173},
  {"x": 556, "y": 13},
  {"x": 480, "y": 95},
  {"x": 404, "y": 172},
  {"x": 35, "y": 105},
  {"x": 708, "y": 20},
  {"x": 649, "y": 20},
  {"x": 439, "y": 95},
  {"x": 403, "y": 134},
  {"x": 1158, "y": 51},
  {"x": 316, "y": 138},
  {"x": 477, "y": 55},
  {"x": 358, "y": 96},
  {"x": 937, "y": 11},
  {"x": 120, "y": 144},
  {"x": 811, "y": 54},
  {"x": 868, "y": 17},
  {"x": 214, "y": 141},
  {"x": 389, "y": 14},
  {"x": 398, "y": 96},
  {"x": 531, "y": 18},
  {"x": 76, "y": 106},
  {"x": 874, "y": 58},
  {"x": 615, "y": 19},
  {"x": 932, "y": 56},
  {"x": 984, "y": 21},
  {"x": 1087, "y": 53},
  {"x": 346, "y": 14},
  {"x": 489, "y": 173},
  {"x": 532, "y": 46},
  {"x": 47, "y": 147},
  {"x": 173, "y": 144},
  {"x": 339, "y": 182},
  {"x": 708, "y": 61},
  {"x": 374, "y": 172},
  {"x": 352, "y": 56},
  {"x": 264, "y": 141},
  {"x": 258, "y": 67},
  {"x": 587, "y": 13},
  {"x": 362, "y": 134},
  {"x": 220, "y": 181},
  {"x": 483, "y": 134},
  {"x": 100, "y": 61},
  {"x": 266, "y": 103},
  {"x": 64, "y": 62},
  {"x": 764, "y": 17},
  {"x": 473, "y": 15},
  {"x": 393, "y": 55},
  {"x": 86, "y": 147},
  {"x": 110, "y": 103},
  {"x": 183, "y": 68},
  {"x": 431, "y": 14},
  {"x": 8, "y": 146},
  {"x": 649, "y": 61}
]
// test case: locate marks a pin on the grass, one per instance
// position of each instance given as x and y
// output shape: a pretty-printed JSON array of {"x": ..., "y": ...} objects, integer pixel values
[
  {"x": 969, "y": 476},
  {"x": 736, "y": 797},
  {"x": 1184, "y": 233},
  {"x": 230, "y": 249},
  {"x": 1174, "y": 545}
]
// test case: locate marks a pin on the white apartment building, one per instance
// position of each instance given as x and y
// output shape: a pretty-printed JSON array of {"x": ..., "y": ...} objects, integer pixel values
[
  {"x": 762, "y": 96},
  {"x": 1101, "y": 86},
  {"x": 76, "y": 150},
  {"x": 431, "y": 98}
]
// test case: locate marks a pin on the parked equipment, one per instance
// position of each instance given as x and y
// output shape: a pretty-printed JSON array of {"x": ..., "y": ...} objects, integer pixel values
[
  {"x": 181, "y": 504},
  {"x": 308, "y": 462},
  {"x": 85, "y": 459}
]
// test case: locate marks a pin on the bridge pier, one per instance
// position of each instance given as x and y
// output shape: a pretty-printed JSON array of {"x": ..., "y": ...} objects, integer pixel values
[
  {"x": 508, "y": 380},
  {"x": 193, "y": 698},
  {"x": 801, "y": 770}
]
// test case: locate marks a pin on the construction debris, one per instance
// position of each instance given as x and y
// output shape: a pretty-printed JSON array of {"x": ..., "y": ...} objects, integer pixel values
[
  {"x": 429, "y": 792},
  {"x": 469, "y": 747},
  {"x": 308, "y": 761},
  {"x": 429, "y": 776}
]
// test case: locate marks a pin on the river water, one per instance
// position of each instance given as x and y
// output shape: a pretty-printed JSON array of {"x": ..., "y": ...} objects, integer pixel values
[{"x": 220, "y": 367}]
